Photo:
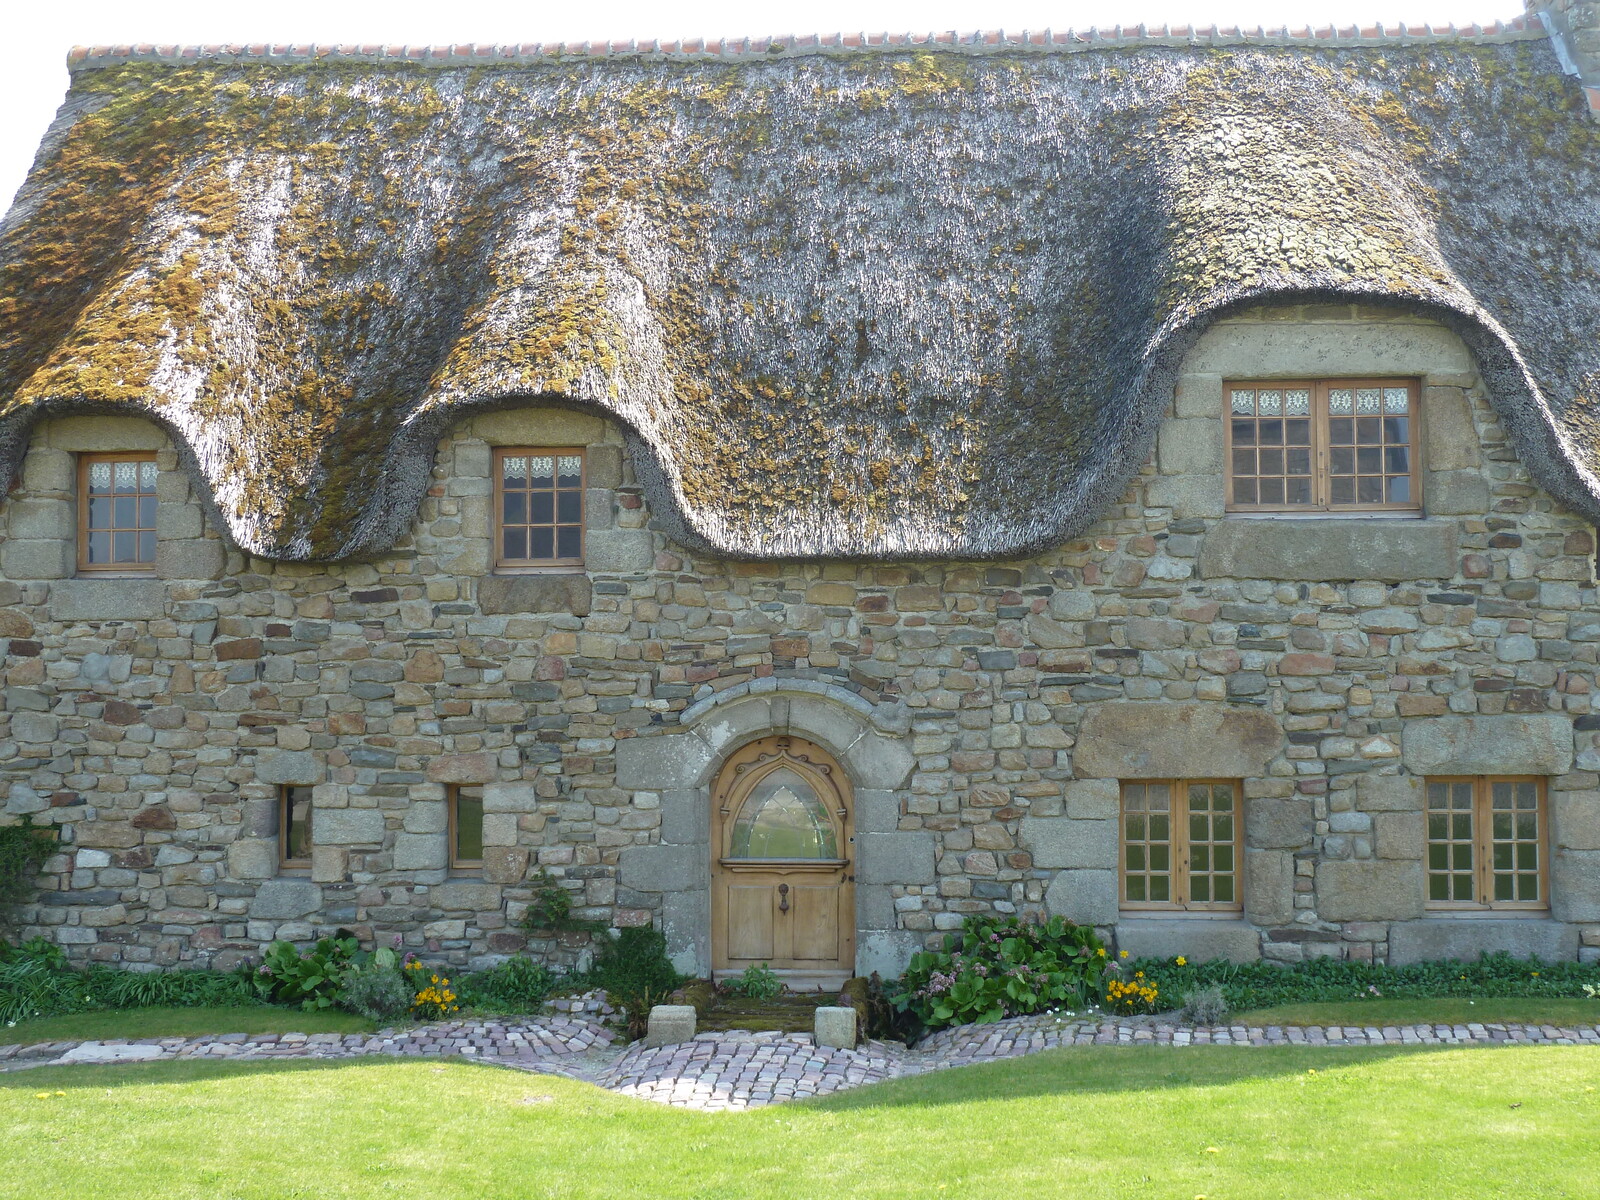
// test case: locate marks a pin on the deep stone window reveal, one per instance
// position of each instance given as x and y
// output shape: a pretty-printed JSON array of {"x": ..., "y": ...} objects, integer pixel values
[
  {"x": 294, "y": 826},
  {"x": 1487, "y": 843},
  {"x": 116, "y": 512},
  {"x": 538, "y": 500},
  {"x": 1180, "y": 845},
  {"x": 466, "y": 827},
  {"x": 1345, "y": 445}
]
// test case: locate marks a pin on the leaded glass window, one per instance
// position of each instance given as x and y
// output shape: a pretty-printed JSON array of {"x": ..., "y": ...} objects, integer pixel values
[{"x": 783, "y": 817}]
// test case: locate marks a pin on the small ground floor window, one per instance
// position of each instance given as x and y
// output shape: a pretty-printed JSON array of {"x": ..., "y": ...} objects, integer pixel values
[
  {"x": 1180, "y": 844},
  {"x": 294, "y": 826},
  {"x": 1487, "y": 843},
  {"x": 466, "y": 827}
]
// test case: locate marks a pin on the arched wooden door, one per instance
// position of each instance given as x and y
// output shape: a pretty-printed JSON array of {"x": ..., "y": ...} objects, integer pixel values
[{"x": 782, "y": 880}]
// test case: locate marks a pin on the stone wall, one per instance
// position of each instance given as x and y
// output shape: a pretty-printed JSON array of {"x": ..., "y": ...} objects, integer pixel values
[
  {"x": 985, "y": 711},
  {"x": 1577, "y": 22}
]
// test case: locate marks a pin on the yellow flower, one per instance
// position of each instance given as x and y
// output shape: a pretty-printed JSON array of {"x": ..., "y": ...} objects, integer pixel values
[
  {"x": 1120, "y": 953},
  {"x": 1101, "y": 952},
  {"x": 1182, "y": 961}
]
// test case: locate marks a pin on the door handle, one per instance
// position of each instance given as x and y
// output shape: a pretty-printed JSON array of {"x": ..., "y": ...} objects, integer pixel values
[{"x": 783, "y": 897}]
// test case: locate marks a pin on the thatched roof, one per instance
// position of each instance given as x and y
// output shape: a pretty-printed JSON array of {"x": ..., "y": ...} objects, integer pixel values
[{"x": 895, "y": 301}]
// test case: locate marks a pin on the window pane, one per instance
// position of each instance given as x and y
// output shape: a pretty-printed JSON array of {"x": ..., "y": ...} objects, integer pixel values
[
  {"x": 1400, "y": 489},
  {"x": 469, "y": 824},
  {"x": 569, "y": 506},
  {"x": 147, "y": 546},
  {"x": 147, "y": 512},
  {"x": 1342, "y": 490},
  {"x": 514, "y": 508},
  {"x": 514, "y": 471},
  {"x": 514, "y": 544},
  {"x": 124, "y": 514},
  {"x": 1244, "y": 491},
  {"x": 124, "y": 546},
  {"x": 296, "y": 840},
  {"x": 569, "y": 542},
  {"x": 1369, "y": 490},
  {"x": 541, "y": 543},
  {"x": 99, "y": 548},
  {"x": 1161, "y": 888},
  {"x": 1271, "y": 491},
  {"x": 1136, "y": 889},
  {"x": 783, "y": 817}
]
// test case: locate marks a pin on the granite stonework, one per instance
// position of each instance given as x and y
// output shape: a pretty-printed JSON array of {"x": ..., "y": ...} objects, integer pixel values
[{"x": 983, "y": 711}]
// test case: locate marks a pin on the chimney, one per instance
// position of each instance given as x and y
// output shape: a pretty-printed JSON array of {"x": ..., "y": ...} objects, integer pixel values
[{"x": 1575, "y": 26}]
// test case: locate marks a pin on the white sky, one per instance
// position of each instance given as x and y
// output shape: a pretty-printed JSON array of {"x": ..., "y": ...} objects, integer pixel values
[{"x": 40, "y": 33}]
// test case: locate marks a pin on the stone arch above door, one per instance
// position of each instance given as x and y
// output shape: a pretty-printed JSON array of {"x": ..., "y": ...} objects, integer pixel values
[{"x": 674, "y": 772}]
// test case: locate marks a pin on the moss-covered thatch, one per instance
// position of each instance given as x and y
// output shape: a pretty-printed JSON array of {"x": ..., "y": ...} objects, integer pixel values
[{"x": 920, "y": 303}]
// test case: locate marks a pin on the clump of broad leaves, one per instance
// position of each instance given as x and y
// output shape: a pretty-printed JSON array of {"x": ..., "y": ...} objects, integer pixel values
[{"x": 1003, "y": 967}]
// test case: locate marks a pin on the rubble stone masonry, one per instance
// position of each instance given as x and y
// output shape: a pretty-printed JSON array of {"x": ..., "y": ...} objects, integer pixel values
[{"x": 985, "y": 711}]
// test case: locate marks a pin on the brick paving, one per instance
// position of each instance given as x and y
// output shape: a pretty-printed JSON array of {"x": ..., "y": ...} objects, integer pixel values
[{"x": 737, "y": 1070}]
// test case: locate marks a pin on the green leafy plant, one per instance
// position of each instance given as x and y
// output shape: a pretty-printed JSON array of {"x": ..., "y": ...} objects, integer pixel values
[
  {"x": 550, "y": 910},
  {"x": 35, "y": 981},
  {"x": 634, "y": 971},
  {"x": 518, "y": 985},
  {"x": 998, "y": 968},
  {"x": 1254, "y": 985},
  {"x": 375, "y": 989},
  {"x": 432, "y": 999},
  {"x": 312, "y": 979},
  {"x": 1205, "y": 1006},
  {"x": 23, "y": 849},
  {"x": 758, "y": 981}
]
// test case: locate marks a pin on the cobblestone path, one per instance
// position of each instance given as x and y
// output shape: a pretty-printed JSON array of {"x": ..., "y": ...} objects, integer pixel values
[{"x": 736, "y": 1071}]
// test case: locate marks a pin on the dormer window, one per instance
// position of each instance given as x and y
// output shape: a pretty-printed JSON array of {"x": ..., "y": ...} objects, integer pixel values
[
  {"x": 117, "y": 512},
  {"x": 538, "y": 496},
  {"x": 1341, "y": 445}
]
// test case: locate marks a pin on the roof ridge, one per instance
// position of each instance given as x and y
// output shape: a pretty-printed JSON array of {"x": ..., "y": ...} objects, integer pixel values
[{"x": 1045, "y": 41}]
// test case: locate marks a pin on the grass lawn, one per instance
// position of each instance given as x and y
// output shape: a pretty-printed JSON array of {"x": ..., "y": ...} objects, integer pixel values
[
  {"x": 179, "y": 1022},
  {"x": 1448, "y": 1010},
  {"x": 1513, "y": 1123}
]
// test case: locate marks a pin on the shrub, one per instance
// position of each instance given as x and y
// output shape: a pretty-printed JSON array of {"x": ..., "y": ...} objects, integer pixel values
[
  {"x": 634, "y": 971},
  {"x": 1266, "y": 984},
  {"x": 758, "y": 981},
  {"x": 1002, "y": 967},
  {"x": 550, "y": 910},
  {"x": 1205, "y": 1006},
  {"x": 518, "y": 985},
  {"x": 23, "y": 848},
  {"x": 312, "y": 979},
  {"x": 374, "y": 987}
]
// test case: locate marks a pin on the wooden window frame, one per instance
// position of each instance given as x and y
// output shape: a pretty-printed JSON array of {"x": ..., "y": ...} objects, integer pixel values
[
  {"x": 1321, "y": 476},
  {"x": 452, "y": 799},
  {"x": 1483, "y": 847},
  {"x": 285, "y": 801},
  {"x": 85, "y": 462},
  {"x": 533, "y": 566},
  {"x": 1179, "y": 843}
]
